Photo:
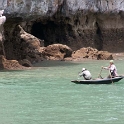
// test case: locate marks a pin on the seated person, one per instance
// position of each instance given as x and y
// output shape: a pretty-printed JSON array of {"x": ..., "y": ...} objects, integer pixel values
[{"x": 86, "y": 74}]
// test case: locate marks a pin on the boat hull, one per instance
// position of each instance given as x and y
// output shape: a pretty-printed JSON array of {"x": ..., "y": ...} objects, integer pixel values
[{"x": 98, "y": 81}]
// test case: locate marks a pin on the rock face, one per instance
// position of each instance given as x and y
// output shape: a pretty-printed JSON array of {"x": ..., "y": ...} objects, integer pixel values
[
  {"x": 26, "y": 46},
  {"x": 33, "y": 8},
  {"x": 76, "y": 23}
]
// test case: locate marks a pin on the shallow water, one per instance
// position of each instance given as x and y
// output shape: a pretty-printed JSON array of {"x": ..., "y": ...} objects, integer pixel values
[{"x": 46, "y": 95}]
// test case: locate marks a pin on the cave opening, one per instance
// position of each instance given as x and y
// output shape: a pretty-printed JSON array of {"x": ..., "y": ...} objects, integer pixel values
[
  {"x": 37, "y": 30},
  {"x": 98, "y": 38},
  {"x": 50, "y": 32}
]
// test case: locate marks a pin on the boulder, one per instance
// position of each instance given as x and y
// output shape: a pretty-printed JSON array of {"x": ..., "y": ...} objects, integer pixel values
[
  {"x": 56, "y": 52},
  {"x": 104, "y": 55},
  {"x": 10, "y": 64},
  {"x": 91, "y": 53},
  {"x": 25, "y": 63},
  {"x": 88, "y": 52}
]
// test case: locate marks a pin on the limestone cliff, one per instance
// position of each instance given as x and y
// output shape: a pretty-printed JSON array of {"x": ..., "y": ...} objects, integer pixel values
[
  {"x": 2, "y": 21},
  {"x": 76, "y": 23},
  {"x": 29, "y": 8}
]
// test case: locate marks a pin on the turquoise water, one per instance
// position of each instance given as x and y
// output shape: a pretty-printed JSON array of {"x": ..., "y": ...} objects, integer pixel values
[{"x": 46, "y": 95}]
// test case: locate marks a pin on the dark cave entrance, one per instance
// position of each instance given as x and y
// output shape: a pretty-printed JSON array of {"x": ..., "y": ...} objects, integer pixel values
[
  {"x": 37, "y": 30},
  {"x": 98, "y": 38},
  {"x": 50, "y": 32}
]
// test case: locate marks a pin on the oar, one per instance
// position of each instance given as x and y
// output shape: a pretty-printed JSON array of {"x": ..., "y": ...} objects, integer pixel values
[
  {"x": 100, "y": 73},
  {"x": 110, "y": 76}
]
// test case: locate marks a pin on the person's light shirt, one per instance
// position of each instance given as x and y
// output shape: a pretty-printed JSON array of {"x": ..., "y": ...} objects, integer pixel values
[{"x": 86, "y": 74}]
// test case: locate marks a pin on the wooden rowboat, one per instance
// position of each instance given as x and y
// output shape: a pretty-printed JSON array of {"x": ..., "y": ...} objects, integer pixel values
[{"x": 99, "y": 81}]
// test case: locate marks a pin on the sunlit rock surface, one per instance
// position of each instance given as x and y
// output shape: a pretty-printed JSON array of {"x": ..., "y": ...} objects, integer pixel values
[
  {"x": 90, "y": 53},
  {"x": 57, "y": 52}
]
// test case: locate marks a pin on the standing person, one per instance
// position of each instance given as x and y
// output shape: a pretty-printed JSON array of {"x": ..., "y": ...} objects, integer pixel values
[
  {"x": 112, "y": 69},
  {"x": 86, "y": 74}
]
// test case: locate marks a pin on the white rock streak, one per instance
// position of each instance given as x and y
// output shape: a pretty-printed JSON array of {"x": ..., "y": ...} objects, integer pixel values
[
  {"x": 1, "y": 12},
  {"x": 2, "y": 18}
]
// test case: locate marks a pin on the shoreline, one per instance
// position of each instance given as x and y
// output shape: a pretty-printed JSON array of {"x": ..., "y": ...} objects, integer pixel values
[{"x": 118, "y": 56}]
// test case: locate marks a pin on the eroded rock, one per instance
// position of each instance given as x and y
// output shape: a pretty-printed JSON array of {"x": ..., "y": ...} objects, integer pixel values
[
  {"x": 10, "y": 64},
  {"x": 56, "y": 52},
  {"x": 91, "y": 53},
  {"x": 24, "y": 46},
  {"x": 25, "y": 63},
  {"x": 104, "y": 55}
]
